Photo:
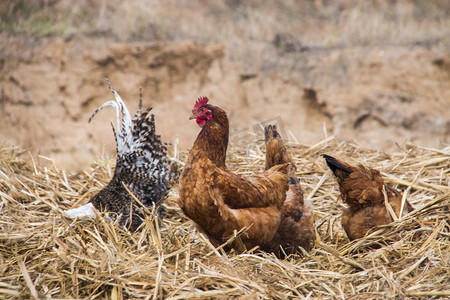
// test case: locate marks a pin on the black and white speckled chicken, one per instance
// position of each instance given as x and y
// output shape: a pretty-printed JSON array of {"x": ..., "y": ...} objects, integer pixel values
[{"x": 142, "y": 168}]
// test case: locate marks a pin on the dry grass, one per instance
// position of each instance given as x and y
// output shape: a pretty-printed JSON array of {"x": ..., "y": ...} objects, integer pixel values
[
  {"x": 316, "y": 23},
  {"x": 42, "y": 254}
]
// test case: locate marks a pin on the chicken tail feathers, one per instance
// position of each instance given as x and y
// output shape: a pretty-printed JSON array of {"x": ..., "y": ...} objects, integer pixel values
[
  {"x": 141, "y": 155},
  {"x": 336, "y": 165},
  {"x": 142, "y": 162},
  {"x": 123, "y": 132},
  {"x": 276, "y": 152}
]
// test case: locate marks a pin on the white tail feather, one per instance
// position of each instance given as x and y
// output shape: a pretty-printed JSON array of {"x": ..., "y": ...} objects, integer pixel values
[
  {"x": 126, "y": 117},
  {"x": 124, "y": 137},
  {"x": 83, "y": 212}
]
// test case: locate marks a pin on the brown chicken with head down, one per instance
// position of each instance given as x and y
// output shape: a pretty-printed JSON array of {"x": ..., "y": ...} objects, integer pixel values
[
  {"x": 222, "y": 203},
  {"x": 362, "y": 189},
  {"x": 296, "y": 225}
]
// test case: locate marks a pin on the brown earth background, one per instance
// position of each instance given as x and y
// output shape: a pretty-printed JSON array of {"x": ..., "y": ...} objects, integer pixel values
[{"x": 373, "y": 72}]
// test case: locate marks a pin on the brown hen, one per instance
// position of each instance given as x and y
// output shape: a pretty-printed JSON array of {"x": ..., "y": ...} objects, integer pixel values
[
  {"x": 222, "y": 203},
  {"x": 296, "y": 226},
  {"x": 362, "y": 189}
]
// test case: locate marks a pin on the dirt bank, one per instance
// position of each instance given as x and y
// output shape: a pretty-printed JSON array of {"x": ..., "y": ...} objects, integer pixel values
[{"x": 378, "y": 96}]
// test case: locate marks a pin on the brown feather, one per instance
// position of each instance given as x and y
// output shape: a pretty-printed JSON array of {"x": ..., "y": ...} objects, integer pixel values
[
  {"x": 220, "y": 202},
  {"x": 296, "y": 226},
  {"x": 362, "y": 189}
]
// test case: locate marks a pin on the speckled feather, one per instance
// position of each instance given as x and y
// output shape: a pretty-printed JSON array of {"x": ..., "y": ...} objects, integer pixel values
[
  {"x": 362, "y": 190},
  {"x": 142, "y": 165}
]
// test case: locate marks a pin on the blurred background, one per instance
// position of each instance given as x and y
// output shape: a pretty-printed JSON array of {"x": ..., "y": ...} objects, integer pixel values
[{"x": 373, "y": 72}]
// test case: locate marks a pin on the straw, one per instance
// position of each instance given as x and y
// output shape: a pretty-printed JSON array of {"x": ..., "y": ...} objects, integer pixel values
[{"x": 45, "y": 255}]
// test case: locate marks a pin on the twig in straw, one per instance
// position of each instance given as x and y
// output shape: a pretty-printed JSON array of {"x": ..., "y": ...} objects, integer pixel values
[
  {"x": 236, "y": 236},
  {"x": 432, "y": 236},
  {"x": 214, "y": 250},
  {"x": 405, "y": 194},
  {"x": 388, "y": 205},
  {"x": 28, "y": 280},
  {"x": 318, "y": 185},
  {"x": 336, "y": 254},
  {"x": 320, "y": 144}
]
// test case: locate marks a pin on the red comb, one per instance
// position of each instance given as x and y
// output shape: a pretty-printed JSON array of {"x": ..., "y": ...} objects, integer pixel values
[{"x": 200, "y": 102}]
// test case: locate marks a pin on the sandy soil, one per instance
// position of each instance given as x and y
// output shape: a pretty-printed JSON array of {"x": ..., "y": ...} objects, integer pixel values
[{"x": 377, "y": 96}]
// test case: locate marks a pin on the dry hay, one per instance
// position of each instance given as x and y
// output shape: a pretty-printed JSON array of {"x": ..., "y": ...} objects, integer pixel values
[{"x": 42, "y": 254}]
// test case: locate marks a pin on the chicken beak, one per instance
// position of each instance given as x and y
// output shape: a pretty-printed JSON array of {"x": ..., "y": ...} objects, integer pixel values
[{"x": 192, "y": 117}]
